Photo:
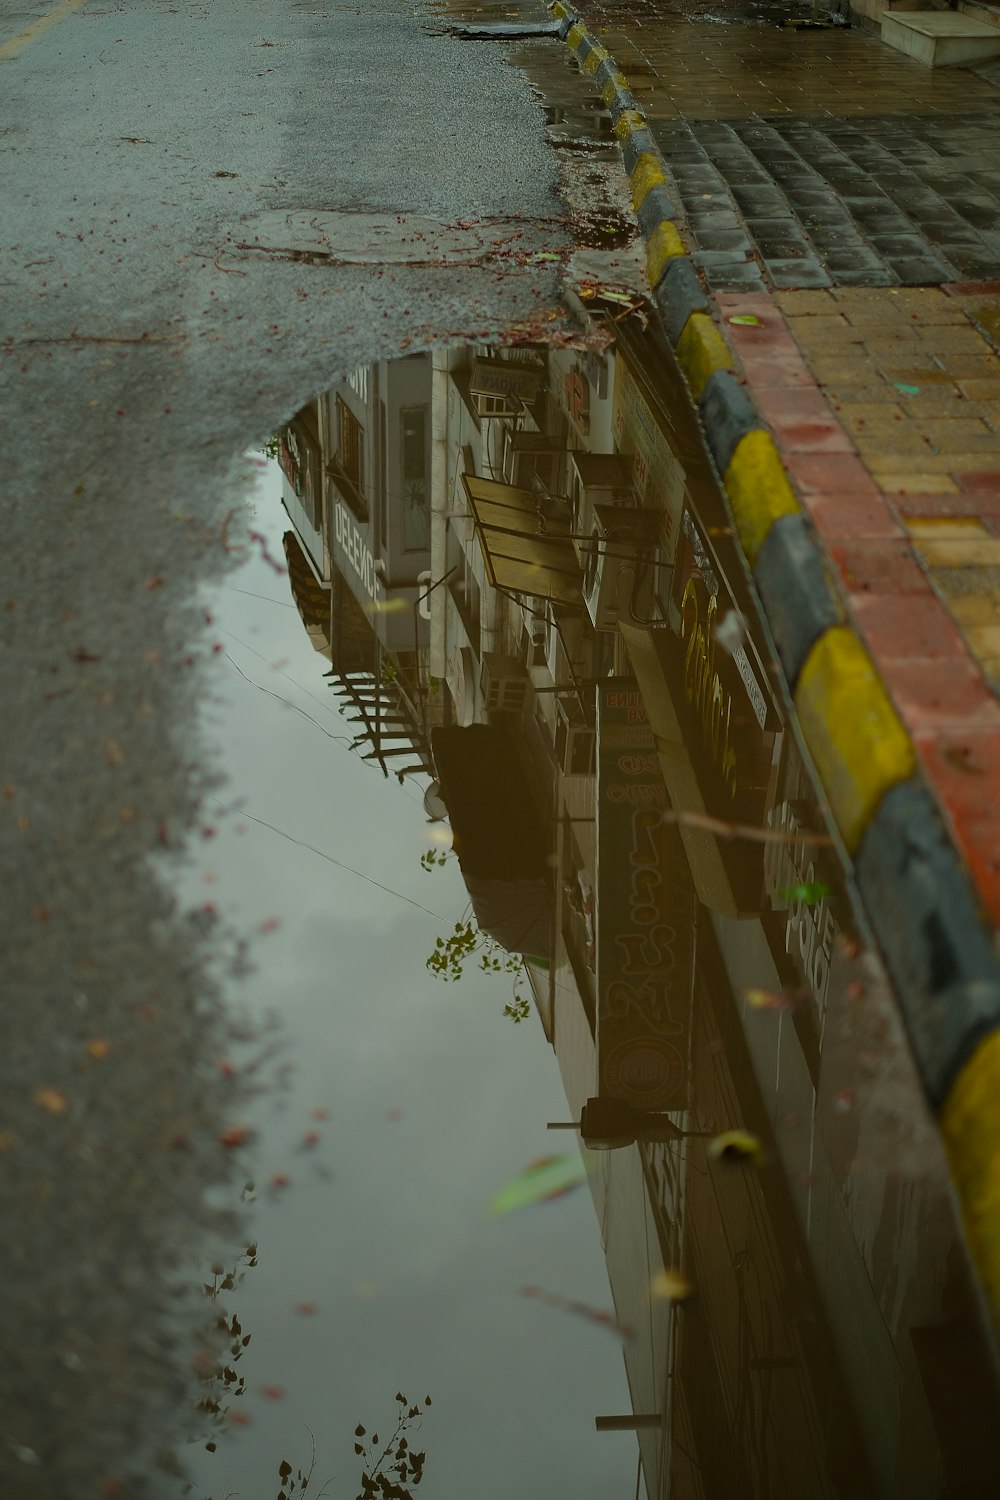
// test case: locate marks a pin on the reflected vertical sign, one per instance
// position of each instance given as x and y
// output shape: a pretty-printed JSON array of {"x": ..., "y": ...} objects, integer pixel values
[{"x": 645, "y": 927}]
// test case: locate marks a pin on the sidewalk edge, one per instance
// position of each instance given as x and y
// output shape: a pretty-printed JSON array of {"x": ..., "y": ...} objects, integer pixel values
[{"x": 939, "y": 953}]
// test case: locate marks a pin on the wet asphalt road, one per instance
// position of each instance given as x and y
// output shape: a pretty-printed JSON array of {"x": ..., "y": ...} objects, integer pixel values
[{"x": 142, "y": 352}]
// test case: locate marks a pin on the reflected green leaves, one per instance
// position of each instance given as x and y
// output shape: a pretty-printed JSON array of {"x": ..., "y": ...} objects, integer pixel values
[{"x": 397, "y": 1479}]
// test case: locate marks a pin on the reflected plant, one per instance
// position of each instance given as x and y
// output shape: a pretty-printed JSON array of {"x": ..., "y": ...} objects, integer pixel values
[
  {"x": 453, "y": 952},
  {"x": 272, "y": 447},
  {"x": 406, "y": 1465},
  {"x": 290, "y": 1481},
  {"x": 216, "y": 1370},
  {"x": 392, "y": 1473},
  {"x": 519, "y": 1009}
]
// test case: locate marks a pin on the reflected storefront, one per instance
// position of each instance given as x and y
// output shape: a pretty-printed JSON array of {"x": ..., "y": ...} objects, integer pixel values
[{"x": 576, "y": 657}]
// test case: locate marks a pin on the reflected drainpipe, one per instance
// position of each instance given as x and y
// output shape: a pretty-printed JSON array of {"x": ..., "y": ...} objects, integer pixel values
[{"x": 439, "y": 508}]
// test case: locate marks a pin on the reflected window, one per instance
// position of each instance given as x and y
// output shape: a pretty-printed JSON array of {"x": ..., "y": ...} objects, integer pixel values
[
  {"x": 381, "y": 429},
  {"x": 416, "y": 520},
  {"x": 464, "y": 588},
  {"x": 350, "y": 458}
]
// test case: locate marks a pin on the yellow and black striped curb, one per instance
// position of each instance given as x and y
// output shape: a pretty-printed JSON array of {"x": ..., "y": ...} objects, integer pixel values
[{"x": 917, "y": 892}]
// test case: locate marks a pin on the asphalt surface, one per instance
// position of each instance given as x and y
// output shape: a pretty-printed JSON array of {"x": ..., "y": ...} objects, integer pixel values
[{"x": 143, "y": 352}]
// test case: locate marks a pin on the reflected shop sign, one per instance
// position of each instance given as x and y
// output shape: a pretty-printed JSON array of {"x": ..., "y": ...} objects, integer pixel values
[
  {"x": 645, "y": 928},
  {"x": 724, "y": 705},
  {"x": 353, "y": 548},
  {"x": 394, "y": 619},
  {"x": 801, "y": 925},
  {"x": 299, "y": 461}
]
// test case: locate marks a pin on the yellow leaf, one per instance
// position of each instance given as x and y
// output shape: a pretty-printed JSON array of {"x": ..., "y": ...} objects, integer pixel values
[
  {"x": 736, "y": 1145},
  {"x": 99, "y": 1048},
  {"x": 50, "y": 1099},
  {"x": 670, "y": 1286}
]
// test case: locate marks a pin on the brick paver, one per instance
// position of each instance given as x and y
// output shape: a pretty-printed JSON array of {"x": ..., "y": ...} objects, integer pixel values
[
  {"x": 908, "y": 509},
  {"x": 679, "y": 68},
  {"x": 876, "y": 201}
]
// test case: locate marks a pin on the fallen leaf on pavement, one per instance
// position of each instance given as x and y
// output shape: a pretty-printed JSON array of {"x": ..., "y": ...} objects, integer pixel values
[
  {"x": 736, "y": 1145},
  {"x": 960, "y": 757},
  {"x": 807, "y": 891},
  {"x": 670, "y": 1286},
  {"x": 51, "y": 1099},
  {"x": 771, "y": 999}
]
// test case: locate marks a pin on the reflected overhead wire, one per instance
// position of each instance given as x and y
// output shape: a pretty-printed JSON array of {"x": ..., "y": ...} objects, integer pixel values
[
  {"x": 303, "y": 844},
  {"x": 330, "y": 708},
  {"x": 345, "y": 738},
  {"x": 282, "y": 603}
]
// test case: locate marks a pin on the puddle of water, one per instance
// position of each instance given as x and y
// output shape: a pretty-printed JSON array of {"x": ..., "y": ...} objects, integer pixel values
[{"x": 506, "y": 706}]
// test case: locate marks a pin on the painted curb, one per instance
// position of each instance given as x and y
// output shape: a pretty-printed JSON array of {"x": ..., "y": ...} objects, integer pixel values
[
  {"x": 936, "y": 950},
  {"x": 915, "y": 886},
  {"x": 853, "y": 732},
  {"x": 970, "y": 1128},
  {"x": 678, "y": 295},
  {"x": 796, "y": 592},
  {"x": 758, "y": 489}
]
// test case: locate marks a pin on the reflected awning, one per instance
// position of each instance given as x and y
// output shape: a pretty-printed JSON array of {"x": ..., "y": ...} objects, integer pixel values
[
  {"x": 501, "y": 845},
  {"x": 311, "y": 599},
  {"x": 524, "y": 551}
]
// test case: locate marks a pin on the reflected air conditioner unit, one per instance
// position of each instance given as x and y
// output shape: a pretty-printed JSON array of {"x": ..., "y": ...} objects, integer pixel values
[
  {"x": 596, "y": 479},
  {"x": 619, "y": 566},
  {"x": 564, "y": 647},
  {"x": 501, "y": 388},
  {"x": 505, "y": 684},
  {"x": 529, "y": 459},
  {"x": 539, "y": 630},
  {"x": 575, "y": 744},
  {"x": 489, "y": 408}
]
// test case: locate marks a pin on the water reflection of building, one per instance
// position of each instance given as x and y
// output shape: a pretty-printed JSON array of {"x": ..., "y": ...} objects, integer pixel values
[
  {"x": 356, "y": 463},
  {"x": 608, "y": 718}
]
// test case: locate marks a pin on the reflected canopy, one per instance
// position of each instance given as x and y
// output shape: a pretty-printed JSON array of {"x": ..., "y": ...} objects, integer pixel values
[{"x": 525, "y": 551}]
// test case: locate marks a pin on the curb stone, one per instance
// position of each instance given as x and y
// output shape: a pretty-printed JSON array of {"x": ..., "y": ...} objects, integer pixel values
[{"x": 919, "y": 898}]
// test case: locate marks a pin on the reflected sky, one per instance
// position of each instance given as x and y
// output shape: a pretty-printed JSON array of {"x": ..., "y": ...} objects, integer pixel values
[{"x": 426, "y": 1101}]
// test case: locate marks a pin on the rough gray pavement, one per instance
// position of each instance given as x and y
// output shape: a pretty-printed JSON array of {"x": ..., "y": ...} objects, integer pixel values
[{"x": 142, "y": 351}]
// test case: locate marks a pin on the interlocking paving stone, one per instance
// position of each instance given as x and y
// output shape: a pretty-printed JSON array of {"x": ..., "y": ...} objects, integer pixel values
[
  {"x": 723, "y": 238},
  {"x": 869, "y": 202}
]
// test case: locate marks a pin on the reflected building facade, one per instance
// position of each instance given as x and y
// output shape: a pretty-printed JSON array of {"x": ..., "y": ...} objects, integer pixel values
[
  {"x": 356, "y": 467},
  {"x": 544, "y": 563}
]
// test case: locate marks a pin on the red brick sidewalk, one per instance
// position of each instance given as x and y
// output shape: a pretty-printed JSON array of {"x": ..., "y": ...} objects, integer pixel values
[{"x": 885, "y": 405}]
